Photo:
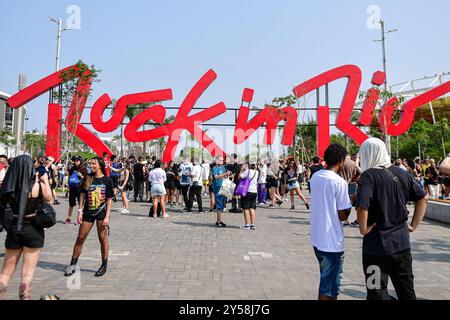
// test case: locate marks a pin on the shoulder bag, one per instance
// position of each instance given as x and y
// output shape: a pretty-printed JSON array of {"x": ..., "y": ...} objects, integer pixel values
[{"x": 45, "y": 214}]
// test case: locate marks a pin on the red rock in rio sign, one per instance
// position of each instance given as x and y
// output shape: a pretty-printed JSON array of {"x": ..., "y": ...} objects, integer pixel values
[{"x": 244, "y": 127}]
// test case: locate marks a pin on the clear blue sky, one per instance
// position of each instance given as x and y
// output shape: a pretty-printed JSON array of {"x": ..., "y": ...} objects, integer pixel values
[{"x": 269, "y": 46}]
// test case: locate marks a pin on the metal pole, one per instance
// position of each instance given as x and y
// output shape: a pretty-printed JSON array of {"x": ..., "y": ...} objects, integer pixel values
[
  {"x": 383, "y": 41},
  {"x": 420, "y": 156},
  {"x": 317, "y": 128},
  {"x": 443, "y": 145},
  {"x": 396, "y": 148},
  {"x": 58, "y": 43},
  {"x": 121, "y": 140}
]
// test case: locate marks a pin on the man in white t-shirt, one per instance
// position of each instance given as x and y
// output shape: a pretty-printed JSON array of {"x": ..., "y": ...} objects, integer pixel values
[
  {"x": 330, "y": 206},
  {"x": 205, "y": 175},
  {"x": 195, "y": 189}
]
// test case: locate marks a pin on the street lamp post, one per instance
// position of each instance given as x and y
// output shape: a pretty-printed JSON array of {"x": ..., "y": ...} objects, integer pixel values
[
  {"x": 58, "y": 39},
  {"x": 58, "y": 45},
  {"x": 383, "y": 41}
]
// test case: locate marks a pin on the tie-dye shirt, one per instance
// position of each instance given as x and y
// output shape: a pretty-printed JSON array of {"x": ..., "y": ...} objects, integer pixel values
[{"x": 100, "y": 190}]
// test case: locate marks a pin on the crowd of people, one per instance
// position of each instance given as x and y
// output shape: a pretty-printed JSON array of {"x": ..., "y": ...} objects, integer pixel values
[{"x": 366, "y": 180}]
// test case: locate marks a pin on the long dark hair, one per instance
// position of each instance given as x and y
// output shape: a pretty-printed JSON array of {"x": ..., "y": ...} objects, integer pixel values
[
  {"x": 90, "y": 178},
  {"x": 101, "y": 162},
  {"x": 294, "y": 164}
]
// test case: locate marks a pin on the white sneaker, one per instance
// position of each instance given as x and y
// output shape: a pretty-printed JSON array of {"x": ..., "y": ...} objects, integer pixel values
[
  {"x": 125, "y": 211},
  {"x": 246, "y": 227}
]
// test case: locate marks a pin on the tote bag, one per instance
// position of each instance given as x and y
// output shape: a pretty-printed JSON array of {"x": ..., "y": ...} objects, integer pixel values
[
  {"x": 227, "y": 188},
  {"x": 244, "y": 185}
]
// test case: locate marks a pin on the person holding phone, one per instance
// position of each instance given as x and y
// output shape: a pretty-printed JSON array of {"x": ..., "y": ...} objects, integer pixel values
[
  {"x": 248, "y": 201},
  {"x": 218, "y": 174},
  {"x": 350, "y": 172}
]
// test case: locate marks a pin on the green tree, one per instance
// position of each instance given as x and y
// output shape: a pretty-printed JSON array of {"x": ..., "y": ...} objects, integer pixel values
[{"x": 69, "y": 97}]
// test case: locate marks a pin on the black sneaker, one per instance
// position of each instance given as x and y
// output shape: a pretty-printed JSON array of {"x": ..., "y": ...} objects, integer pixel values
[
  {"x": 56, "y": 202},
  {"x": 292, "y": 208},
  {"x": 252, "y": 227},
  {"x": 355, "y": 223},
  {"x": 102, "y": 270},
  {"x": 70, "y": 270},
  {"x": 307, "y": 205},
  {"x": 221, "y": 224},
  {"x": 211, "y": 210}
]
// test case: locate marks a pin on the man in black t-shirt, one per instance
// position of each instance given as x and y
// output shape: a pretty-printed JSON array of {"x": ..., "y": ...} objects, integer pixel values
[
  {"x": 383, "y": 193},
  {"x": 315, "y": 167},
  {"x": 235, "y": 168},
  {"x": 433, "y": 180},
  {"x": 139, "y": 180}
]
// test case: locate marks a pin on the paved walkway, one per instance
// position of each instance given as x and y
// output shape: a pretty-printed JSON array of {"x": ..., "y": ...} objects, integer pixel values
[{"x": 187, "y": 257}]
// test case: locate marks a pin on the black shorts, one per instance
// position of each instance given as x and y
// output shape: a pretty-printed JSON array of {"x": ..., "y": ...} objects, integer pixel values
[
  {"x": 115, "y": 181},
  {"x": 92, "y": 216},
  {"x": 447, "y": 182},
  {"x": 249, "y": 201},
  {"x": 272, "y": 183},
  {"x": 74, "y": 196},
  {"x": 31, "y": 236},
  {"x": 169, "y": 184}
]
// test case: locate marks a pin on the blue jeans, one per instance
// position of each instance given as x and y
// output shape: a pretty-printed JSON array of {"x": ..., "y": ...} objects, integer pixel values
[{"x": 330, "y": 272}]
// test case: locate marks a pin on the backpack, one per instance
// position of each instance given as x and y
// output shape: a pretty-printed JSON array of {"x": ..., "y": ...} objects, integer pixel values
[{"x": 74, "y": 180}]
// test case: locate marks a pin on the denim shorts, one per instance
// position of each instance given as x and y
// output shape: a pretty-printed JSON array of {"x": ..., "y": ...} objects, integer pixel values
[
  {"x": 330, "y": 272},
  {"x": 158, "y": 190},
  {"x": 220, "y": 202}
]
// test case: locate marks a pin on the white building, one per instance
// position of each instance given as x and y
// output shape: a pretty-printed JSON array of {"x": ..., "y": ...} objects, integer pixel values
[{"x": 12, "y": 121}]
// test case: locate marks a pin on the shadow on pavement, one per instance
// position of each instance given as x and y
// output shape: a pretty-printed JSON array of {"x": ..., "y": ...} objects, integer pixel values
[
  {"x": 304, "y": 222},
  {"x": 288, "y": 218},
  {"x": 57, "y": 267},
  {"x": 210, "y": 225},
  {"x": 357, "y": 294},
  {"x": 421, "y": 251}
]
